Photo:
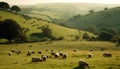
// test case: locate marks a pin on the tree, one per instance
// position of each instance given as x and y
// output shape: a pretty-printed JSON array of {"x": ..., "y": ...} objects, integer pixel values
[
  {"x": 86, "y": 36},
  {"x": 10, "y": 30},
  {"x": 119, "y": 41},
  {"x": 46, "y": 31},
  {"x": 105, "y": 36},
  {"x": 91, "y": 28},
  {"x": 91, "y": 11},
  {"x": 113, "y": 31},
  {"x": 115, "y": 38},
  {"x": 105, "y": 8},
  {"x": 4, "y": 6},
  {"x": 110, "y": 30},
  {"x": 1, "y": 29},
  {"x": 15, "y": 8}
]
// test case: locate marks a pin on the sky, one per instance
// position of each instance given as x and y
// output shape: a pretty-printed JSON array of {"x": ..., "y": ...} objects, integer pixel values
[{"x": 29, "y": 2}]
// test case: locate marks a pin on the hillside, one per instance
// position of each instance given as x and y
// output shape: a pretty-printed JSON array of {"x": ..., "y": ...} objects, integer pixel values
[
  {"x": 59, "y": 12},
  {"x": 34, "y": 25},
  {"x": 105, "y": 18}
]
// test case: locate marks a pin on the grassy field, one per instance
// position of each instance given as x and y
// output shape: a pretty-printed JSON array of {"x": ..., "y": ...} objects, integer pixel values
[
  {"x": 34, "y": 26},
  {"x": 97, "y": 61}
]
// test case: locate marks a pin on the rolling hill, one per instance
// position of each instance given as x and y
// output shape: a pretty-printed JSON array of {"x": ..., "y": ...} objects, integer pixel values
[
  {"x": 105, "y": 18},
  {"x": 59, "y": 12},
  {"x": 33, "y": 25}
]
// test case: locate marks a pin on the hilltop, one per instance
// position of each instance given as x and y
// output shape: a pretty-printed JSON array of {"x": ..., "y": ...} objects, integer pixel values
[
  {"x": 104, "y": 18},
  {"x": 34, "y": 25}
]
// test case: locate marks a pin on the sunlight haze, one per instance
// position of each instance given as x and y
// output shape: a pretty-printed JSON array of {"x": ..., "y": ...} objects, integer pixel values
[{"x": 28, "y": 2}]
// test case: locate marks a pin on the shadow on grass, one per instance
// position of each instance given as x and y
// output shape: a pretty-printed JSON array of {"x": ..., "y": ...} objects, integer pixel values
[{"x": 79, "y": 67}]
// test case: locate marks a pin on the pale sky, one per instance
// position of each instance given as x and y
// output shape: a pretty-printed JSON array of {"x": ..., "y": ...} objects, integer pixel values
[{"x": 28, "y": 2}]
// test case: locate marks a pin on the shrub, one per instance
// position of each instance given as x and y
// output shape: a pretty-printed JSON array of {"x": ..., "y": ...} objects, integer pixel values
[{"x": 105, "y": 36}]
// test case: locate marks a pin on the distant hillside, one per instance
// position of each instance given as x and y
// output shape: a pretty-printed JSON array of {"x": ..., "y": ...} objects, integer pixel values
[
  {"x": 105, "y": 18},
  {"x": 59, "y": 12},
  {"x": 34, "y": 26}
]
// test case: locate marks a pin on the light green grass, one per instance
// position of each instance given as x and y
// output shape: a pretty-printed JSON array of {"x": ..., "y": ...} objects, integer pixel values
[
  {"x": 96, "y": 62},
  {"x": 57, "y": 31}
]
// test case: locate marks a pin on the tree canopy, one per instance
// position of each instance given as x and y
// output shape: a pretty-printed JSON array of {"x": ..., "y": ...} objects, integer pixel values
[
  {"x": 15, "y": 8},
  {"x": 4, "y": 6},
  {"x": 10, "y": 30},
  {"x": 105, "y": 36}
]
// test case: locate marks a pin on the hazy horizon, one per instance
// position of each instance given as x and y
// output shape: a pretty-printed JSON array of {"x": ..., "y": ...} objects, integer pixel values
[{"x": 31, "y": 2}]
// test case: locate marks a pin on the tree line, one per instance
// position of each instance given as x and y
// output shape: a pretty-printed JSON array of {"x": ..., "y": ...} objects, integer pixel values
[{"x": 6, "y": 6}]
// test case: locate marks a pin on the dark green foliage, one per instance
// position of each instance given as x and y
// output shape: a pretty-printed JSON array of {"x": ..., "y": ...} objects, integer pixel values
[
  {"x": 118, "y": 42},
  {"x": 76, "y": 17},
  {"x": 86, "y": 36},
  {"x": 77, "y": 37},
  {"x": 25, "y": 30},
  {"x": 115, "y": 38},
  {"x": 38, "y": 35},
  {"x": 110, "y": 30},
  {"x": 108, "y": 34},
  {"x": 4, "y": 6},
  {"x": 91, "y": 11},
  {"x": 91, "y": 28},
  {"x": 105, "y": 8},
  {"x": 59, "y": 38},
  {"x": 10, "y": 30},
  {"x": 105, "y": 36},
  {"x": 46, "y": 31},
  {"x": 15, "y": 8},
  {"x": 108, "y": 18},
  {"x": 93, "y": 38},
  {"x": 113, "y": 31},
  {"x": 26, "y": 17},
  {"x": 46, "y": 34}
]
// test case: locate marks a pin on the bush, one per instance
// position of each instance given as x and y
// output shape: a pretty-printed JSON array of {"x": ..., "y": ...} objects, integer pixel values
[
  {"x": 105, "y": 36},
  {"x": 115, "y": 38},
  {"x": 77, "y": 37},
  {"x": 86, "y": 36}
]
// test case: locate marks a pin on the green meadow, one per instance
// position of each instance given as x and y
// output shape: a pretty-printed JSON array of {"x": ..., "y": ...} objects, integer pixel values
[
  {"x": 68, "y": 39},
  {"x": 97, "y": 61},
  {"x": 34, "y": 25}
]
